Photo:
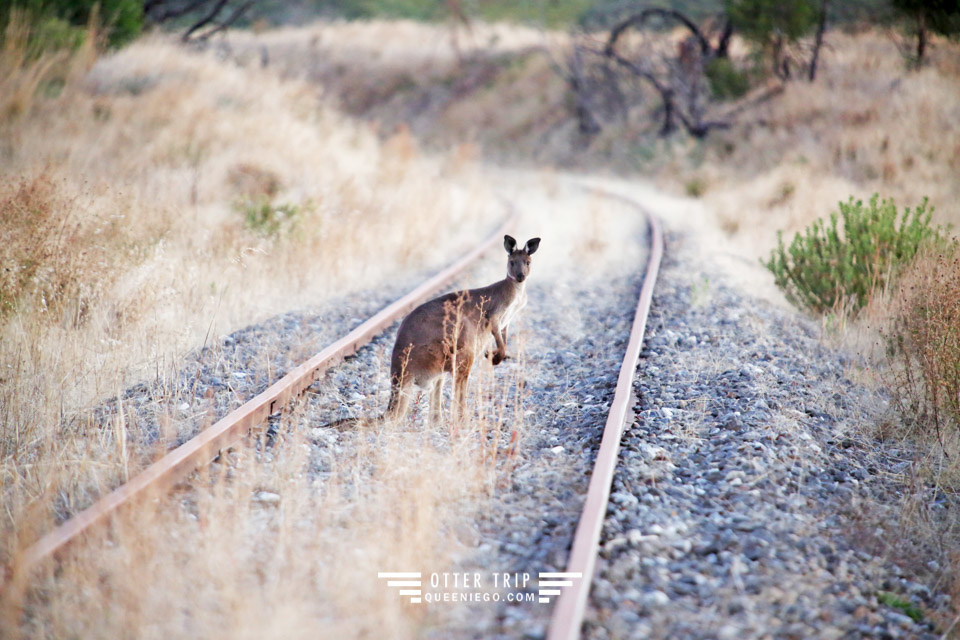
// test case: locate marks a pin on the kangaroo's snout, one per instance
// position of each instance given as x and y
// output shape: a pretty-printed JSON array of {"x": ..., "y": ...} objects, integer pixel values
[{"x": 521, "y": 277}]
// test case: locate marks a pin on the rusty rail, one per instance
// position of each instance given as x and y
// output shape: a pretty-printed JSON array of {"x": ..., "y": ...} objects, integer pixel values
[
  {"x": 203, "y": 447},
  {"x": 567, "y": 617}
]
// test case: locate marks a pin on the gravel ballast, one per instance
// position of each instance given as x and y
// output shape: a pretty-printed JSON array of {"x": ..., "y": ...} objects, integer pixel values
[
  {"x": 567, "y": 347},
  {"x": 735, "y": 504}
]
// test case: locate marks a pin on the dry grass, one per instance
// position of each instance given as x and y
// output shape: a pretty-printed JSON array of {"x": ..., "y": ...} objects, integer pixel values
[
  {"x": 495, "y": 87},
  {"x": 924, "y": 342},
  {"x": 397, "y": 45},
  {"x": 909, "y": 334},
  {"x": 127, "y": 243},
  {"x": 272, "y": 542},
  {"x": 28, "y": 70},
  {"x": 867, "y": 125}
]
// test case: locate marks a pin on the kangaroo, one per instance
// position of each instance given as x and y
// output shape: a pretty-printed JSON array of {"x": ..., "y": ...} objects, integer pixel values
[{"x": 445, "y": 334}]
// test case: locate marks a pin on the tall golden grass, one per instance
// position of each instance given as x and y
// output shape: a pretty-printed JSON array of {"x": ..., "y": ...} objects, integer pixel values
[
  {"x": 129, "y": 204},
  {"x": 868, "y": 124},
  {"x": 270, "y": 542}
]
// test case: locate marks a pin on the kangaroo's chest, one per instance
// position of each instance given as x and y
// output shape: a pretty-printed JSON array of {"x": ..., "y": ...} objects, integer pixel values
[{"x": 518, "y": 303}]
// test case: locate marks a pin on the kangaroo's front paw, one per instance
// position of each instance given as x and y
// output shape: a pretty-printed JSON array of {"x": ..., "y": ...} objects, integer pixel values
[{"x": 499, "y": 357}]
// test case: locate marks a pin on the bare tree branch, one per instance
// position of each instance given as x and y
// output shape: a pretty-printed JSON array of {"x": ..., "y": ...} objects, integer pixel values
[
  {"x": 229, "y": 22},
  {"x": 666, "y": 93},
  {"x": 598, "y": 69},
  {"x": 638, "y": 20},
  {"x": 586, "y": 121},
  {"x": 723, "y": 44},
  {"x": 162, "y": 10},
  {"x": 205, "y": 20},
  {"x": 818, "y": 42}
]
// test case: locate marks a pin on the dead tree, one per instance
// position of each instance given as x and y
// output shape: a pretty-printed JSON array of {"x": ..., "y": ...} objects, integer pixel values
[
  {"x": 818, "y": 40},
  {"x": 204, "y": 18},
  {"x": 676, "y": 75},
  {"x": 722, "y": 50},
  {"x": 577, "y": 80},
  {"x": 643, "y": 18}
]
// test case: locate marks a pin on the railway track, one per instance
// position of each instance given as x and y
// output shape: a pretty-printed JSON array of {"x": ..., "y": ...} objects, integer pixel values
[
  {"x": 568, "y": 613},
  {"x": 206, "y": 445}
]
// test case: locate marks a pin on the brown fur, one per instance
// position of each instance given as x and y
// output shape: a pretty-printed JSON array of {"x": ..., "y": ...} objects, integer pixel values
[{"x": 445, "y": 335}]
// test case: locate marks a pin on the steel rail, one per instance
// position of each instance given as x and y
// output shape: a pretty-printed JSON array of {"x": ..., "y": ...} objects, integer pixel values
[
  {"x": 204, "y": 447},
  {"x": 567, "y": 618}
]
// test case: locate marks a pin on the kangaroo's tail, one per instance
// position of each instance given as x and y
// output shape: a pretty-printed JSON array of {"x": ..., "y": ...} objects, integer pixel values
[
  {"x": 350, "y": 423},
  {"x": 397, "y": 408}
]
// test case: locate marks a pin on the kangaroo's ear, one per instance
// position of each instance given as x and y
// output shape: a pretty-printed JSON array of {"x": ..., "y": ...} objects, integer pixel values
[
  {"x": 532, "y": 245},
  {"x": 509, "y": 244}
]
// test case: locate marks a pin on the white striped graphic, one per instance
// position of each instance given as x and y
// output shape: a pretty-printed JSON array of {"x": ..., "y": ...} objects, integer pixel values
[
  {"x": 548, "y": 579},
  {"x": 404, "y": 579}
]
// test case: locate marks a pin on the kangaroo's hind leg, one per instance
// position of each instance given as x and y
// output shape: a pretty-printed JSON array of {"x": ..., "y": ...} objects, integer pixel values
[
  {"x": 436, "y": 401},
  {"x": 460, "y": 390},
  {"x": 399, "y": 404}
]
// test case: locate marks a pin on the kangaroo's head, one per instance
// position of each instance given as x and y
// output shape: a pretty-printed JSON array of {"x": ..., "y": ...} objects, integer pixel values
[{"x": 518, "y": 264}]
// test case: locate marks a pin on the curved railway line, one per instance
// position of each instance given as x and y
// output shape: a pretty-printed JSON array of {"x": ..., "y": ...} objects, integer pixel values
[{"x": 568, "y": 613}]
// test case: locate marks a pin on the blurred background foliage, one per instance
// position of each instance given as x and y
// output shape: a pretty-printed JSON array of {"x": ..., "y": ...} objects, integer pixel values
[{"x": 61, "y": 23}]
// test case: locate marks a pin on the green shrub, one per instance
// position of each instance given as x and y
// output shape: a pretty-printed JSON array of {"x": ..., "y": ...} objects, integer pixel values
[
  {"x": 764, "y": 20},
  {"x": 695, "y": 187},
  {"x": 26, "y": 37},
  {"x": 54, "y": 34},
  {"x": 833, "y": 268},
  {"x": 727, "y": 82},
  {"x": 58, "y": 21},
  {"x": 269, "y": 219},
  {"x": 390, "y": 9},
  {"x": 895, "y": 602}
]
